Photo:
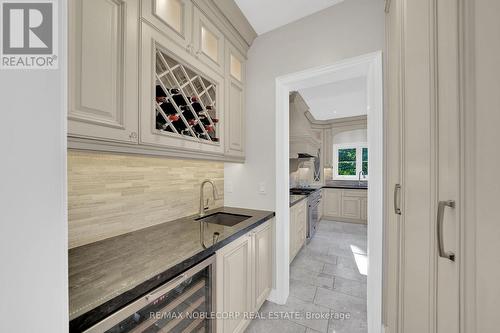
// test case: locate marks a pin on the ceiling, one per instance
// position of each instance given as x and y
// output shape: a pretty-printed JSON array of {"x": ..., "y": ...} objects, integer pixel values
[
  {"x": 267, "y": 15},
  {"x": 339, "y": 99}
]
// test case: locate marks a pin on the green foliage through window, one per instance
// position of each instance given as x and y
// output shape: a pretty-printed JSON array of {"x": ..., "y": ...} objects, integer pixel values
[
  {"x": 365, "y": 161},
  {"x": 350, "y": 159},
  {"x": 347, "y": 162}
]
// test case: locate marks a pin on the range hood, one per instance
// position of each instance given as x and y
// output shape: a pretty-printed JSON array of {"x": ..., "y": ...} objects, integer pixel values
[{"x": 305, "y": 155}]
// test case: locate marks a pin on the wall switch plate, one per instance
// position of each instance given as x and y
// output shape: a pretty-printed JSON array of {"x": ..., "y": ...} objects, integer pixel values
[
  {"x": 229, "y": 187},
  {"x": 262, "y": 188}
]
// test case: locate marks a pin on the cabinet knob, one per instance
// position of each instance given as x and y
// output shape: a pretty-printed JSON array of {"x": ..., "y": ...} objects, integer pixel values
[
  {"x": 133, "y": 135},
  {"x": 189, "y": 48}
]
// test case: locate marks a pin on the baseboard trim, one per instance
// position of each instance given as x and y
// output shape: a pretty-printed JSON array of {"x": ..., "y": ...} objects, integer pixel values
[{"x": 344, "y": 219}]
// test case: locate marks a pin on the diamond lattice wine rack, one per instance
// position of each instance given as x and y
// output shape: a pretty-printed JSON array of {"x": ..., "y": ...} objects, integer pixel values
[{"x": 185, "y": 101}]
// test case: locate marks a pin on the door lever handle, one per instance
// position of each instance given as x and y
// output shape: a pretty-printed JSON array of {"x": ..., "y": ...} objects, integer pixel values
[
  {"x": 397, "y": 189},
  {"x": 440, "y": 217}
]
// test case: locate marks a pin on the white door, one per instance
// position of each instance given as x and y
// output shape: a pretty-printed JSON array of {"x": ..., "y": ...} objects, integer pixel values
[
  {"x": 448, "y": 180},
  {"x": 422, "y": 283}
]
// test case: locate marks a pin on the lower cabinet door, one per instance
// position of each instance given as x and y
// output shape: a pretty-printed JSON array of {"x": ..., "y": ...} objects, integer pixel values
[
  {"x": 263, "y": 250},
  {"x": 351, "y": 207},
  {"x": 364, "y": 209},
  {"x": 294, "y": 229},
  {"x": 332, "y": 202},
  {"x": 234, "y": 284},
  {"x": 302, "y": 224}
]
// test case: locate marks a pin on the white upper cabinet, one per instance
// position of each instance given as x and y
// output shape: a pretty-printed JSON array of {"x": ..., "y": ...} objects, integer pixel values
[
  {"x": 235, "y": 112},
  {"x": 208, "y": 41},
  {"x": 171, "y": 17},
  {"x": 155, "y": 77},
  {"x": 103, "y": 70}
]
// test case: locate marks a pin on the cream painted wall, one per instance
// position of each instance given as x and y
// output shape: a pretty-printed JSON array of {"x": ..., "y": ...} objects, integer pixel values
[
  {"x": 354, "y": 136},
  {"x": 33, "y": 227},
  {"x": 348, "y": 29}
]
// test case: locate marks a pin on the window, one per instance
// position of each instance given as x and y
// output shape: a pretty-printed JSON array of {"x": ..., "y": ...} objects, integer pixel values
[
  {"x": 364, "y": 160},
  {"x": 349, "y": 160}
]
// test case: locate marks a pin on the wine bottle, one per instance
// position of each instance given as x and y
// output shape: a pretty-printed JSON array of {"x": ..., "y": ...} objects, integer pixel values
[
  {"x": 162, "y": 124},
  {"x": 161, "y": 96},
  {"x": 187, "y": 113},
  {"x": 180, "y": 126},
  {"x": 168, "y": 108},
  {"x": 205, "y": 121},
  {"x": 197, "y": 106}
]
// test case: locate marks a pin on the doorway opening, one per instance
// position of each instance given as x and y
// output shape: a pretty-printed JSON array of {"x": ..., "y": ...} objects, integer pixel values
[{"x": 371, "y": 64}]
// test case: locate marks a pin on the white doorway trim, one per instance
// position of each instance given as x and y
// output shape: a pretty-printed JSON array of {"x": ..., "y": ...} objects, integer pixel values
[{"x": 310, "y": 78}]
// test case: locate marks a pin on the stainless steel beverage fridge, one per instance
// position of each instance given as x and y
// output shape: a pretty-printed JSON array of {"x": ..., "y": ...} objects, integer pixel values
[{"x": 183, "y": 304}]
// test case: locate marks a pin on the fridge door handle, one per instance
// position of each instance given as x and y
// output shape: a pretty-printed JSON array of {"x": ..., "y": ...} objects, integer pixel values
[
  {"x": 397, "y": 191},
  {"x": 440, "y": 217},
  {"x": 167, "y": 287}
]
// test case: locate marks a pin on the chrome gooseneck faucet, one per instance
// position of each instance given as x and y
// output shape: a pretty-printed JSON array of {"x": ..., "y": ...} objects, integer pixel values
[
  {"x": 361, "y": 173},
  {"x": 204, "y": 207}
]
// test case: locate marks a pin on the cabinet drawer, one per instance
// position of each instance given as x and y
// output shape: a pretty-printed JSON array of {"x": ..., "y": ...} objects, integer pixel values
[{"x": 355, "y": 193}]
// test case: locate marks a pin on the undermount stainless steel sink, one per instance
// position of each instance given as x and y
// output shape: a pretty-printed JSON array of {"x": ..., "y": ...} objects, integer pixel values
[{"x": 225, "y": 219}]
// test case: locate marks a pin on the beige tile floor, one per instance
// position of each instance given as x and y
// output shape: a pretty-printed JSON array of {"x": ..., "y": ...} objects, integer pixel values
[{"x": 325, "y": 281}]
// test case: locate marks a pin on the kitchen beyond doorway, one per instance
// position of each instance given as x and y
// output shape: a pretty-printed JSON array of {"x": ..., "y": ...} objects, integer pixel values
[{"x": 327, "y": 282}]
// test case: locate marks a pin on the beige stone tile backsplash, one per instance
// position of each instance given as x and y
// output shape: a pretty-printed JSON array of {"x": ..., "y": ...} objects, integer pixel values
[{"x": 112, "y": 194}]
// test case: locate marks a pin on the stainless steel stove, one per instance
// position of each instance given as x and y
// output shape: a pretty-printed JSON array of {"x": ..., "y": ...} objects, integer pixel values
[{"x": 313, "y": 201}]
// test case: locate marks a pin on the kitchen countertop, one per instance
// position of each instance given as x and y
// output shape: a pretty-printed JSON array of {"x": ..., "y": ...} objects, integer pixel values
[
  {"x": 296, "y": 198},
  {"x": 346, "y": 184},
  {"x": 106, "y": 275}
]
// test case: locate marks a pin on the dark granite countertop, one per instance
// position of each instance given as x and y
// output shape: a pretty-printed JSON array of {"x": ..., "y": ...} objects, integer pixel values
[
  {"x": 106, "y": 275},
  {"x": 346, "y": 184},
  {"x": 296, "y": 198}
]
